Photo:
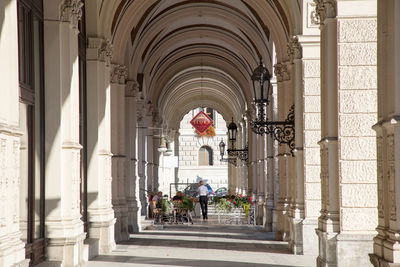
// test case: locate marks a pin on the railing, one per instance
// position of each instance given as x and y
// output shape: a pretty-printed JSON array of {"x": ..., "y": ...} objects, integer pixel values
[
  {"x": 237, "y": 216},
  {"x": 174, "y": 215}
]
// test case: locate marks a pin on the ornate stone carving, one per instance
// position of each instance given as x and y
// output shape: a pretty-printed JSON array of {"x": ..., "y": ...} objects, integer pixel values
[
  {"x": 118, "y": 74},
  {"x": 381, "y": 192},
  {"x": 71, "y": 10},
  {"x": 324, "y": 9},
  {"x": 391, "y": 176},
  {"x": 131, "y": 89},
  {"x": 105, "y": 51},
  {"x": 140, "y": 110},
  {"x": 149, "y": 108},
  {"x": 251, "y": 113},
  {"x": 313, "y": 14},
  {"x": 294, "y": 49},
  {"x": 103, "y": 47},
  {"x": 281, "y": 72},
  {"x": 155, "y": 119}
]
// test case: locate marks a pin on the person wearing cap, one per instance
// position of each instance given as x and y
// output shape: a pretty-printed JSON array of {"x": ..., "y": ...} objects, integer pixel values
[{"x": 203, "y": 193}]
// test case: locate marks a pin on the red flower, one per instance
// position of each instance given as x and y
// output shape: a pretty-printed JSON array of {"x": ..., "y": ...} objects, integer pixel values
[
  {"x": 234, "y": 202},
  {"x": 250, "y": 199},
  {"x": 252, "y": 203},
  {"x": 241, "y": 195}
]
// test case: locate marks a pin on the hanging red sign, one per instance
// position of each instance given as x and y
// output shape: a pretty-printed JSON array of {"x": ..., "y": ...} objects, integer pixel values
[{"x": 201, "y": 122}]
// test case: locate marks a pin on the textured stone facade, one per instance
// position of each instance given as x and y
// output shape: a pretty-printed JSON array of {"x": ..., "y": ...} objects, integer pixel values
[{"x": 189, "y": 145}]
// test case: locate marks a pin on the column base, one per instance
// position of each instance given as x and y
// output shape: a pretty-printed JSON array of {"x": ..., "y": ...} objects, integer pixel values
[
  {"x": 121, "y": 224},
  {"x": 260, "y": 213},
  {"x": 274, "y": 220},
  {"x": 353, "y": 248},
  {"x": 380, "y": 262},
  {"x": 304, "y": 241},
  {"x": 386, "y": 249},
  {"x": 104, "y": 232},
  {"x": 68, "y": 251},
  {"x": 327, "y": 249},
  {"x": 133, "y": 218},
  {"x": 281, "y": 222},
  {"x": 269, "y": 216},
  {"x": 344, "y": 249},
  {"x": 12, "y": 251}
]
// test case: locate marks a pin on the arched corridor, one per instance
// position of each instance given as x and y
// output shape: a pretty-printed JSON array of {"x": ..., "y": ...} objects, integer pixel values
[{"x": 96, "y": 102}]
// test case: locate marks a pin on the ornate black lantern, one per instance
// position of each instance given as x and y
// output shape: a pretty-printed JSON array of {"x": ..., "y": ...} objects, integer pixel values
[
  {"x": 232, "y": 132},
  {"x": 222, "y": 152},
  {"x": 261, "y": 90},
  {"x": 242, "y": 154},
  {"x": 281, "y": 131}
]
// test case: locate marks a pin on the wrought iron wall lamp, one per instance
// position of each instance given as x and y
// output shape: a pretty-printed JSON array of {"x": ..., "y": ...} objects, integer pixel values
[
  {"x": 234, "y": 153},
  {"x": 281, "y": 131}
]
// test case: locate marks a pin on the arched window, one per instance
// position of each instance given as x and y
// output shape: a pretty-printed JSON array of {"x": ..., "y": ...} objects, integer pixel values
[{"x": 205, "y": 156}]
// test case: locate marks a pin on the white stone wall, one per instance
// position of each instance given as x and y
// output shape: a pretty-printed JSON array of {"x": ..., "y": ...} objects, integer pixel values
[{"x": 189, "y": 145}]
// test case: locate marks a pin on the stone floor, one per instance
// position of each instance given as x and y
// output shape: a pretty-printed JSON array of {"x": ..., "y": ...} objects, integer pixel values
[{"x": 202, "y": 244}]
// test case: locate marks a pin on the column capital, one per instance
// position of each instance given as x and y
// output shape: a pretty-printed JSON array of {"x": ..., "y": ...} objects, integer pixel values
[
  {"x": 131, "y": 89},
  {"x": 281, "y": 72},
  {"x": 99, "y": 49},
  {"x": 324, "y": 9},
  {"x": 118, "y": 74},
  {"x": 250, "y": 113},
  {"x": 294, "y": 49},
  {"x": 71, "y": 11}
]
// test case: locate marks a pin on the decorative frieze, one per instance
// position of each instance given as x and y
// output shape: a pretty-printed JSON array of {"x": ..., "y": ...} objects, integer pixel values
[
  {"x": 294, "y": 49},
  {"x": 324, "y": 9},
  {"x": 118, "y": 74},
  {"x": 71, "y": 10}
]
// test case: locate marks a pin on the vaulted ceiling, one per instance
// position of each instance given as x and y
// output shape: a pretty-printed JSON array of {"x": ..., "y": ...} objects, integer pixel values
[{"x": 198, "y": 53}]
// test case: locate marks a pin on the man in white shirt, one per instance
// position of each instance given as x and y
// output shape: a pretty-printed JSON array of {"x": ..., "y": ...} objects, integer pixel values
[{"x": 203, "y": 193}]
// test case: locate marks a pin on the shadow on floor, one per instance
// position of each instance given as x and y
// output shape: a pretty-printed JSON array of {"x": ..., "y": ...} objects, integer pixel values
[
  {"x": 180, "y": 262},
  {"x": 191, "y": 234},
  {"x": 200, "y": 244}
]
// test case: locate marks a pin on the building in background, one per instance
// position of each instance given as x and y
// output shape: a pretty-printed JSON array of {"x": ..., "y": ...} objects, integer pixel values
[{"x": 199, "y": 155}]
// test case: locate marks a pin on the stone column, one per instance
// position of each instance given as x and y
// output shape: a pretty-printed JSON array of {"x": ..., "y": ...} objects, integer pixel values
[
  {"x": 149, "y": 162},
  {"x": 11, "y": 247},
  {"x": 270, "y": 155},
  {"x": 118, "y": 149},
  {"x": 64, "y": 228},
  {"x": 253, "y": 186},
  {"x": 386, "y": 243},
  {"x": 260, "y": 179},
  {"x": 141, "y": 157},
  {"x": 243, "y": 165},
  {"x": 176, "y": 153},
  {"x": 284, "y": 99},
  {"x": 132, "y": 176},
  {"x": 100, "y": 213},
  {"x": 307, "y": 188},
  {"x": 348, "y": 148}
]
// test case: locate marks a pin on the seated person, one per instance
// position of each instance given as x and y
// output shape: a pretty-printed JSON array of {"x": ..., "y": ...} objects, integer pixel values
[{"x": 179, "y": 196}]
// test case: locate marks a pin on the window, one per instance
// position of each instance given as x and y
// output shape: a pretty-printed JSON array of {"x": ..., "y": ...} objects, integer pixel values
[
  {"x": 205, "y": 156},
  {"x": 30, "y": 53},
  {"x": 83, "y": 118},
  {"x": 210, "y": 113}
]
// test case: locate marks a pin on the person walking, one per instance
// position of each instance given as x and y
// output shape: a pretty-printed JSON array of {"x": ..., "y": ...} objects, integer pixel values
[{"x": 203, "y": 193}]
